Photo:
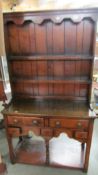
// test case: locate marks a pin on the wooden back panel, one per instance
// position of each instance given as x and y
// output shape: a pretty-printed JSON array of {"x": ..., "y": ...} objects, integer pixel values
[
  {"x": 50, "y": 54},
  {"x": 49, "y": 38}
]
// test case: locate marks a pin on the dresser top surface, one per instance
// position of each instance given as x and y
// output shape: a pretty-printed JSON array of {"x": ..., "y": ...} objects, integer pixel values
[{"x": 48, "y": 108}]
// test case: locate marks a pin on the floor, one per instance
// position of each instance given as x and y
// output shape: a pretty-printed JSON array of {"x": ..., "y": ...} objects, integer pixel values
[{"x": 38, "y": 170}]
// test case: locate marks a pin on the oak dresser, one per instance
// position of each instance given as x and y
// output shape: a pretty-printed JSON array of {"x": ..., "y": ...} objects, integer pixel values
[{"x": 50, "y": 58}]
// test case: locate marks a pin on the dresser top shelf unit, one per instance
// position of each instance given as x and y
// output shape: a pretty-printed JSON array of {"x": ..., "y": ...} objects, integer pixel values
[
  {"x": 50, "y": 57},
  {"x": 50, "y": 53}
]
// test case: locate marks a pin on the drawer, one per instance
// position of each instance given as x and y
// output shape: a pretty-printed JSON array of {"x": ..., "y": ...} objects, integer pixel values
[
  {"x": 69, "y": 123},
  {"x": 15, "y": 120},
  {"x": 15, "y": 132},
  {"x": 81, "y": 135},
  {"x": 47, "y": 132},
  {"x": 57, "y": 132},
  {"x": 33, "y": 121},
  {"x": 26, "y": 130}
]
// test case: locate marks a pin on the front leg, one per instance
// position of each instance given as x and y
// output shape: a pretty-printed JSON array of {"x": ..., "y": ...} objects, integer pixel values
[{"x": 11, "y": 150}]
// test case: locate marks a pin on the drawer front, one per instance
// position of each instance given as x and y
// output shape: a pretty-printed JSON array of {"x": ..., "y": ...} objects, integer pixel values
[
  {"x": 81, "y": 135},
  {"x": 26, "y": 121},
  {"x": 57, "y": 132},
  {"x": 69, "y": 123},
  {"x": 14, "y": 120},
  {"x": 15, "y": 132},
  {"x": 33, "y": 121},
  {"x": 26, "y": 130},
  {"x": 47, "y": 132}
]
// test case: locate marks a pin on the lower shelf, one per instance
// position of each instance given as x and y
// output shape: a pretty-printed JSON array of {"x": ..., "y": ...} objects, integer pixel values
[
  {"x": 61, "y": 153},
  {"x": 66, "y": 153},
  {"x": 31, "y": 151}
]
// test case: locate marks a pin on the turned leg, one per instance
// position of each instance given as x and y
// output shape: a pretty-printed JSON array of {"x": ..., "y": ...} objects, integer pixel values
[
  {"x": 47, "y": 151},
  {"x": 11, "y": 151},
  {"x": 88, "y": 146},
  {"x": 20, "y": 138},
  {"x": 10, "y": 144},
  {"x": 83, "y": 146}
]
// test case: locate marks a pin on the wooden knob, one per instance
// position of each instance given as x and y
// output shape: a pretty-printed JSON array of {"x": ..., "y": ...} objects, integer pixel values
[
  {"x": 35, "y": 122},
  {"x": 79, "y": 124},
  {"x": 15, "y": 121},
  {"x": 58, "y": 124}
]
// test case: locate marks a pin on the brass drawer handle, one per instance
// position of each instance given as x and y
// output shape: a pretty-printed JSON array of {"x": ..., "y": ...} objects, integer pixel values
[
  {"x": 79, "y": 124},
  {"x": 35, "y": 122},
  {"x": 58, "y": 124}
]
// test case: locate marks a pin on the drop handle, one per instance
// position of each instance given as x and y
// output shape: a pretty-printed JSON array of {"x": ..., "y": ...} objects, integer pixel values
[
  {"x": 58, "y": 124},
  {"x": 35, "y": 122}
]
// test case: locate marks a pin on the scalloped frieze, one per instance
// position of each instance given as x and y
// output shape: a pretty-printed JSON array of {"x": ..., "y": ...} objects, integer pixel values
[{"x": 20, "y": 20}]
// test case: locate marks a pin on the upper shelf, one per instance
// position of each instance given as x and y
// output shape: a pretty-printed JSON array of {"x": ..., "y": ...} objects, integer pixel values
[
  {"x": 51, "y": 57},
  {"x": 70, "y": 79}
]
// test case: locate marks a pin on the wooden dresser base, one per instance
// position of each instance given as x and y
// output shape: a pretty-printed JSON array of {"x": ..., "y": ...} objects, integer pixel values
[{"x": 73, "y": 119}]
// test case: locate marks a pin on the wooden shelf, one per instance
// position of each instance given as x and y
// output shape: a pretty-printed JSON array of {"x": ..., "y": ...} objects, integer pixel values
[
  {"x": 50, "y": 57},
  {"x": 62, "y": 97},
  {"x": 82, "y": 79},
  {"x": 73, "y": 154},
  {"x": 48, "y": 107},
  {"x": 35, "y": 152}
]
